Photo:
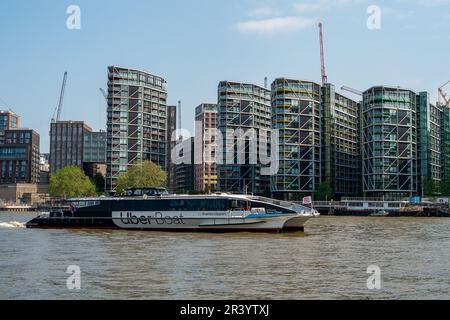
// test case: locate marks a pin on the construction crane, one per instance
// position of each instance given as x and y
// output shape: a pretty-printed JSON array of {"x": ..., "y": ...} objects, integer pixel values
[
  {"x": 322, "y": 56},
  {"x": 104, "y": 93},
  {"x": 179, "y": 120},
  {"x": 6, "y": 105},
  {"x": 354, "y": 91},
  {"x": 443, "y": 95},
  {"x": 61, "y": 99}
]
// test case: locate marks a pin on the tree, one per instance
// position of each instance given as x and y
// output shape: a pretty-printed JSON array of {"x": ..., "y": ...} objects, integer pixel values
[
  {"x": 445, "y": 188},
  {"x": 323, "y": 192},
  {"x": 70, "y": 182},
  {"x": 142, "y": 174},
  {"x": 99, "y": 181},
  {"x": 431, "y": 189}
]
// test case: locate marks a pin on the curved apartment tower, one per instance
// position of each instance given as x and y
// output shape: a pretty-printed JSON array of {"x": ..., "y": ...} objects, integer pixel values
[
  {"x": 245, "y": 107},
  {"x": 137, "y": 120},
  {"x": 296, "y": 114},
  {"x": 389, "y": 142}
]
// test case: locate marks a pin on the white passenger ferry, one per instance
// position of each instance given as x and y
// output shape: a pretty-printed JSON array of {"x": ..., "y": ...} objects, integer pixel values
[{"x": 155, "y": 209}]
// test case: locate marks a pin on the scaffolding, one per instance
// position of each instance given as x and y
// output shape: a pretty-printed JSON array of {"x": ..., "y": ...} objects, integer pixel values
[
  {"x": 341, "y": 166},
  {"x": 137, "y": 116},
  {"x": 389, "y": 138},
  {"x": 445, "y": 140},
  {"x": 296, "y": 113},
  {"x": 246, "y": 107}
]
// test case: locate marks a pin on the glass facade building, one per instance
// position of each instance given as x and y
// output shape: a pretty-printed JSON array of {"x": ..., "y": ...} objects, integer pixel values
[
  {"x": 8, "y": 120},
  {"x": 389, "y": 142},
  {"x": 296, "y": 114},
  {"x": 341, "y": 156},
  {"x": 429, "y": 123},
  {"x": 136, "y": 121},
  {"x": 445, "y": 142},
  {"x": 94, "y": 147},
  {"x": 246, "y": 108}
]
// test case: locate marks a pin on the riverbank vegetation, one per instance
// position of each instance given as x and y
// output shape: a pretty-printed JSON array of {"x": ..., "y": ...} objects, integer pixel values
[
  {"x": 142, "y": 174},
  {"x": 70, "y": 182}
]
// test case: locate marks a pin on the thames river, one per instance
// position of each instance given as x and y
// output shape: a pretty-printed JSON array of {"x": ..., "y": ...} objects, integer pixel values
[{"x": 328, "y": 261}]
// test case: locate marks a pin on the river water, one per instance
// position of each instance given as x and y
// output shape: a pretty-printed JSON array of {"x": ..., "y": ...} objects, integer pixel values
[{"x": 328, "y": 261}]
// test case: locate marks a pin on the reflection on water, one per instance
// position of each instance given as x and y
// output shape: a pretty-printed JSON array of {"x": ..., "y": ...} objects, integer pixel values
[{"x": 328, "y": 261}]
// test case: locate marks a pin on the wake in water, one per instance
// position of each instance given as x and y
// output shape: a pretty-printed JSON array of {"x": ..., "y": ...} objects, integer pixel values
[{"x": 12, "y": 224}]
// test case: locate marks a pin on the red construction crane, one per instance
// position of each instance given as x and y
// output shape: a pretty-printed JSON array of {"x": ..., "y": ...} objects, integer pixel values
[
  {"x": 179, "y": 120},
  {"x": 322, "y": 58}
]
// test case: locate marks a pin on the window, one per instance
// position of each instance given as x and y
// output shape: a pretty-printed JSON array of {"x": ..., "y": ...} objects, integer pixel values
[{"x": 12, "y": 153}]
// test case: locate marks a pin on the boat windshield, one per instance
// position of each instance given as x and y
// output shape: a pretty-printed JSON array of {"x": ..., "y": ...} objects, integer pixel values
[{"x": 285, "y": 204}]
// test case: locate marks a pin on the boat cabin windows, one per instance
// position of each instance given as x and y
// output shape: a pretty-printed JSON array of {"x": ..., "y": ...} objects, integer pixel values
[
  {"x": 239, "y": 205},
  {"x": 176, "y": 204},
  {"x": 270, "y": 208},
  {"x": 198, "y": 204},
  {"x": 211, "y": 204},
  {"x": 258, "y": 210},
  {"x": 256, "y": 206},
  {"x": 137, "y": 192},
  {"x": 83, "y": 204}
]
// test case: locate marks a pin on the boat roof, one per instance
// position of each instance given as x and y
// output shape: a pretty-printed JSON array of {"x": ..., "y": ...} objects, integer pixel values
[
  {"x": 280, "y": 203},
  {"x": 173, "y": 196}
]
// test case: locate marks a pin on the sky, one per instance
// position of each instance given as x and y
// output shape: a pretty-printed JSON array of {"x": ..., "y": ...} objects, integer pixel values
[{"x": 197, "y": 43}]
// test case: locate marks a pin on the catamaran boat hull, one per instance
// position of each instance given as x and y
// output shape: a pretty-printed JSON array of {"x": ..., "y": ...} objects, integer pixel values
[
  {"x": 276, "y": 224},
  {"x": 219, "y": 213}
]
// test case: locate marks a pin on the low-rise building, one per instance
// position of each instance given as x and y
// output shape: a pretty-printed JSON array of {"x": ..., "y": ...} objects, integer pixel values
[
  {"x": 184, "y": 173},
  {"x": 19, "y": 157}
]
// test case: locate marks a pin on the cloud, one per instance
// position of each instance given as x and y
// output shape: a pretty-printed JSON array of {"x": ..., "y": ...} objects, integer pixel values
[
  {"x": 398, "y": 14},
  {"x": 308, "y": 7},
  {"x": 433, "y": 3},
  {"x": 265, "y": 11},
  {"x": 273, "y": 25},
  {"x": 324, "y": 5}
]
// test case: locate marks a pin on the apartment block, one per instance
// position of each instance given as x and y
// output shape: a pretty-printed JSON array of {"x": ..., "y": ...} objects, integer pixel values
[
  {"x": 136, "y": 121},
  {"x": 19, "y": 157},
  {"x": 67, "y": 144},
  {"x": 206, "y": 171},
  {"x": 389, "y": 142},
  {"x": 296, "y": 114},
  {"x": 341, "y": 155},
  {"x": 244, "y": 116}
]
